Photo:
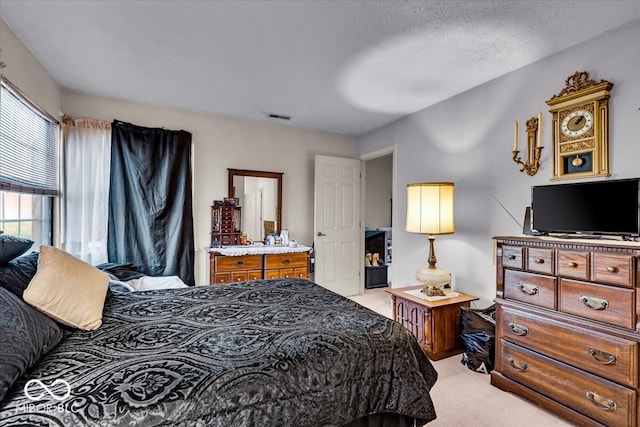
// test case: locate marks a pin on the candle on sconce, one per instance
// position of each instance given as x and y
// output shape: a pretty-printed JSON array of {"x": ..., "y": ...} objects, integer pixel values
[
  {"x": 515, "y": 137},
  {"x": 539, "y": 142}
]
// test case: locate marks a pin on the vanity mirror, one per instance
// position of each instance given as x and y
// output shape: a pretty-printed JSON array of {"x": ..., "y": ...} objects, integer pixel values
[{"x": 260, "y": 196}]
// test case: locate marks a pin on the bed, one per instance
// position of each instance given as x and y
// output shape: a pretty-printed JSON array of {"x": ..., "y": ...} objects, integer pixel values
[{"x": 263, "y": 353}]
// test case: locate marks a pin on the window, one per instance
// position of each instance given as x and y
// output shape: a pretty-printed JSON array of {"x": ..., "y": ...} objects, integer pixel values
[
  {"x": 28, "y": 166},
  {"x": 27, "y": 215}
]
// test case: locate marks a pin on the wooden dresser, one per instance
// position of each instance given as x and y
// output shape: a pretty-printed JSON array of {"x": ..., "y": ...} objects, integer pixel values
[
  {"x": 567, "y": 329},
  {"x": 255, "y": 266}
]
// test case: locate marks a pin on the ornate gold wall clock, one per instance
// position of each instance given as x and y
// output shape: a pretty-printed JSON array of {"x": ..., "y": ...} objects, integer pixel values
[{"x": 580, "y": 127}]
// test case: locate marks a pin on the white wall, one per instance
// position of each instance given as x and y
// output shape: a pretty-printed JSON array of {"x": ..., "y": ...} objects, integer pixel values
[
  {"x": 23, "y": 70},
  {"x": 468, "y": 139},
  {"x": 224, "y": 142}
]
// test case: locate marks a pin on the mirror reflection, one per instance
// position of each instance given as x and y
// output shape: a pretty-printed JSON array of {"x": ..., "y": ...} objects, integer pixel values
[{"x": 260, "y": 196}]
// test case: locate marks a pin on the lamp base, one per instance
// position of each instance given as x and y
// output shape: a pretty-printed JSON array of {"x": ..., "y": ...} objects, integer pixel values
[
  {"x": 432, "y": 291},
  {"x": 433, "y": 279}
]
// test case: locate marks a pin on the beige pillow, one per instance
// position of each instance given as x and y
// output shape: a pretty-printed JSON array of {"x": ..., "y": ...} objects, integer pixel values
[{"x": 68, "y": 289}]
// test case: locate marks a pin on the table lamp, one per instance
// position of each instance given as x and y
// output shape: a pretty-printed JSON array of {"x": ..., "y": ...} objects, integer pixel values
[{"x": 430, "y": 211}]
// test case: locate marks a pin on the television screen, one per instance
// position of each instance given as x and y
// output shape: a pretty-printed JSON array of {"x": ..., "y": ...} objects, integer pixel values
[{"x": 602, "y": 207}]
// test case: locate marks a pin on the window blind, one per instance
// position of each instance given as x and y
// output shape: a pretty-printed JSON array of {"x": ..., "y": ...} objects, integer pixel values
[{"x": 28, "y": 145}]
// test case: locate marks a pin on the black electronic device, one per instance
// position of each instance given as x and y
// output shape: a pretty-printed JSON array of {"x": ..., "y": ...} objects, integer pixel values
[
  {"x": 609, "y": 207},
  {"x": 527, "y": 224}
]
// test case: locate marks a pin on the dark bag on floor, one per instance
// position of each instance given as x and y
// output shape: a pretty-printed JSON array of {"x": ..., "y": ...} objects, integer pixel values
[{"x": 478, "y": 338}]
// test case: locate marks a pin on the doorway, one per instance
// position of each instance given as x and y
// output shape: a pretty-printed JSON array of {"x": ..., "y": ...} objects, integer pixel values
[{"x": 377, "y": 203}]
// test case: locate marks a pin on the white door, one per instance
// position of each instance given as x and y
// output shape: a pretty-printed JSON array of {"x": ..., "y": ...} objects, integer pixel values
[{"x": 338, "y": 252}]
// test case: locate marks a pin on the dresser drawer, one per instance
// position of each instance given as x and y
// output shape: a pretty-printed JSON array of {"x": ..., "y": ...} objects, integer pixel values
[
  {"x": 245, "y": 262},
  {"x": 530, "y": 288},
  {"x": 243, "y": 276},
  {"x": 222, "y": 278},
  {"x": 287, "y": 273},
  {"x": 301, "y": 273},
  {"x": 540, "y": 260},
  {"x": 573, "y": 264},
  {"x": 603, "y": 355},
  {"x": 604, "y": 401},
  {"x": 603, "y": 303},
  {"x": 613, "y": 269},
  {"x": 285, "y": 260},
  {"x": 512, "y": 256}
]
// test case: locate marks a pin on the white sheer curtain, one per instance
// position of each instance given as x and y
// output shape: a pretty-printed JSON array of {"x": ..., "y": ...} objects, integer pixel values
[{"x": 85, "y": 188}]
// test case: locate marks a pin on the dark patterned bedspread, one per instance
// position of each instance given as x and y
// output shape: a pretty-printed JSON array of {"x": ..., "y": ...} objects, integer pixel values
[{"x": 266, "y": 353}]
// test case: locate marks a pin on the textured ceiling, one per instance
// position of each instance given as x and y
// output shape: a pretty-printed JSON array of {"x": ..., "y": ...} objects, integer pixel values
[{"x": 345, "y": 67}]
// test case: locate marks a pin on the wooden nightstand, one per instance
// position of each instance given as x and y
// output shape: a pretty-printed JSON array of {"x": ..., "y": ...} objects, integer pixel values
[{"x": 436, "y": 324}]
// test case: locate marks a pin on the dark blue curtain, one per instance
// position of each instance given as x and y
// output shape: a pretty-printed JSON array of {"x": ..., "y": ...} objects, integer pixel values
[{"x": 150, "y": 204}]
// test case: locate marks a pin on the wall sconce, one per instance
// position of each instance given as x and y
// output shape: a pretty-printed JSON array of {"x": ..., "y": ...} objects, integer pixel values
[{"x": 534, "y": 145}]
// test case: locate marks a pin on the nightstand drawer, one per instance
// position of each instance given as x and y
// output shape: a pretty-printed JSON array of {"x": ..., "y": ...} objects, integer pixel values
[
  {"x": 607, "y": 304},
  {"x": 613, "y": 269},
  {"x": 512, "y": 256},
  {"x": 607, "y": 402},
  {"x": 573, "y": 264},
  {"x": 530, "y": 288},
  {"x": 603, "y": 355}
]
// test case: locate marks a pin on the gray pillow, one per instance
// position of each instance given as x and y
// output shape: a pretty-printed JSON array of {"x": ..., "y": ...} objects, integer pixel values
[
  {"x": 26, "y": 335},
  {"x": 16, "y": 274},
  {"x": 12, "y": 247}
]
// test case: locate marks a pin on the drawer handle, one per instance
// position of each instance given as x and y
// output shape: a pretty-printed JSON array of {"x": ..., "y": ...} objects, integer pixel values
[
  {"x": 539, "y": 261},
  {"x": 239, "y": 263},
  {"x": 518, "y": 366},
  {"x": 238, "y": 280},
  {"x": 612, "y": 269},
  {"x": 518, "y": 329},
  {"x": 572, "y": 264},
  {"x": 286, "y": 261},
  {"x": 511, "y": 257},
  {"x": 593, "y": 398},
  {"x": 594, "y": 303},
  {"x": 603, "y": 357},
  {"x": 527, "y": 289}
]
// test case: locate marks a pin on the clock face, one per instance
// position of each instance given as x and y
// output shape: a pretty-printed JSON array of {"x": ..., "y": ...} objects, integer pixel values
[{"x": 577, "y": 123}]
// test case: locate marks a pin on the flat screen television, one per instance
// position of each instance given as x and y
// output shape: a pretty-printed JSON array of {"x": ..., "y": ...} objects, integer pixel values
[{"x": 602, "y": 207}]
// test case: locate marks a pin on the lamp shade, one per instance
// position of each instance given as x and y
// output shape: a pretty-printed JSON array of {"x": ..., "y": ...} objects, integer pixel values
[{"x": 430, "y": 208}]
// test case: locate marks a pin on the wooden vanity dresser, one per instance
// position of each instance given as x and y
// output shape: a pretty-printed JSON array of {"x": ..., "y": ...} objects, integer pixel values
[
  {"x": 260, "y": 262},
  {"x": 567, "y": 332}
]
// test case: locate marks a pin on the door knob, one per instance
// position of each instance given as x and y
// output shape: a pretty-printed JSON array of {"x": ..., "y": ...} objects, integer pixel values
[{"x": 320, "y": 234}]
